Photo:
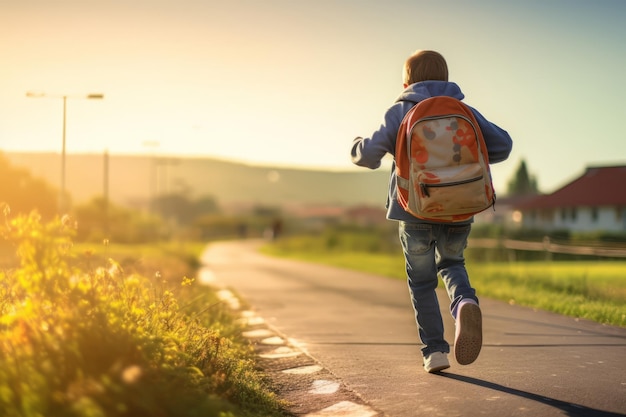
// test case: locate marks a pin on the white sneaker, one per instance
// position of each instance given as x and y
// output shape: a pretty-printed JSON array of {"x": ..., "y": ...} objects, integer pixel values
[
  {"x": 436, "y": 361},
  {"x": 469, "y": 333}
]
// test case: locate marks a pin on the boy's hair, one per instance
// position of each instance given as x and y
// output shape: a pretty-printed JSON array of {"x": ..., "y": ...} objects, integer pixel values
[{"x": 424, "y": 66}]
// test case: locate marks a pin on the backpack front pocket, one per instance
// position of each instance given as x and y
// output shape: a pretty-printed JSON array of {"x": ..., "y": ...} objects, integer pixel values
[{"x": 451, "y": 190}]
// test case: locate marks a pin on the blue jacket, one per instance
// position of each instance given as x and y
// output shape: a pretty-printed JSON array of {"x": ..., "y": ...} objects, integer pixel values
[{"x": 368, "y": 152}]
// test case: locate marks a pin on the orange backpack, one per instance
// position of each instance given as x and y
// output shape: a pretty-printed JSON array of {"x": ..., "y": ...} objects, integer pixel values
[{"x": 442, "y": 165}]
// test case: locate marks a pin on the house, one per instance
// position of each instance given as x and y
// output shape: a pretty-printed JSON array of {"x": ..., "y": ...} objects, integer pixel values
[
  {"x": 366, "y": 216},
  {"x": 595, "y": 201},
  {"x": 316, "y": 217}
]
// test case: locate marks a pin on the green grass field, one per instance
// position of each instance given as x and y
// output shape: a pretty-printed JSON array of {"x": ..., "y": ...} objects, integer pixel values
[{"x": 591, "y": 290}]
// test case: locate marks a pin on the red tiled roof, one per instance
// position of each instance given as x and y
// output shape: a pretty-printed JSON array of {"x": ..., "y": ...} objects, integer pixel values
[{"x": 598, "y": 186}]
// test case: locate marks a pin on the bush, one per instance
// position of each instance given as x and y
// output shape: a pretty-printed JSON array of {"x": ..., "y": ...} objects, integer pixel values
[{"x": 100, "y": 220}]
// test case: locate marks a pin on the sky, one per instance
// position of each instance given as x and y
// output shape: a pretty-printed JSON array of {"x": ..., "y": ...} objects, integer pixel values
[{"x": 291, "y": 83}]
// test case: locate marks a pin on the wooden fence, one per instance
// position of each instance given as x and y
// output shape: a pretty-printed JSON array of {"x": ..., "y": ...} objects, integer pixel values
[{"x": 547, "y": 246}]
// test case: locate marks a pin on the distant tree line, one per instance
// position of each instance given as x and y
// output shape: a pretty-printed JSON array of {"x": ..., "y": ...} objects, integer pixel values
[{"x": 169, "y": 215}]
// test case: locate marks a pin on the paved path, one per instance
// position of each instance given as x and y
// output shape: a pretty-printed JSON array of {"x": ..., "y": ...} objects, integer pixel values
[{"x": 343, "y": 343}]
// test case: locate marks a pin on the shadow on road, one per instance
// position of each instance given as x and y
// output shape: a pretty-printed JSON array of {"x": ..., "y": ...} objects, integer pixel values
[
  {"x": 496, "y": 345},
  {"x": 573, "y": 410}
]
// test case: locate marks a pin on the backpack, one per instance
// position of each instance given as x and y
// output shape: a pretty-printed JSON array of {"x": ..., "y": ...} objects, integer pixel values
[{"x": 442, "y": 165}]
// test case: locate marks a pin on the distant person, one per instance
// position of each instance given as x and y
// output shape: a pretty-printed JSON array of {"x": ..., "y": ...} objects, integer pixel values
[
  {"x": 242, "y": 230},
  {"x": 277, "y": 228},
  {"x": 432, "y": 248},
  {"x": 274, "y": 230}
]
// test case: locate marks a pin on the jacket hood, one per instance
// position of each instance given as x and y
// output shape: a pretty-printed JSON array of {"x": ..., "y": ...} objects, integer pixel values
[{"x": 426, "y": 89}]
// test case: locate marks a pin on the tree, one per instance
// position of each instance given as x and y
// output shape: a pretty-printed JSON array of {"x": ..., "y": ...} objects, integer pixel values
[
  {"x": 23, "y": 193},
  {"x": 522, "y": 183}
]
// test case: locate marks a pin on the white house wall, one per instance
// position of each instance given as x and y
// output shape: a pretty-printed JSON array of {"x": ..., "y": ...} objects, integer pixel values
[{"x": 607, "y": 220}]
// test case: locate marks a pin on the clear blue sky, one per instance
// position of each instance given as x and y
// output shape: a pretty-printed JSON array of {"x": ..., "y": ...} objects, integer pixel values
[{"x": 292, "y": 82}]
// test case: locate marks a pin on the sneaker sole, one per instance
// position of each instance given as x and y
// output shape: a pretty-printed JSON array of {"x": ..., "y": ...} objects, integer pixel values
[
  {"x": 470, "y": 334},
  {"x": 437, "y": 369}
]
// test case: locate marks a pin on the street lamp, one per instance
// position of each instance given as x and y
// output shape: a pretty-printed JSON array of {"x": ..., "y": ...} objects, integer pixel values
[{"x": 92, "y": 96}]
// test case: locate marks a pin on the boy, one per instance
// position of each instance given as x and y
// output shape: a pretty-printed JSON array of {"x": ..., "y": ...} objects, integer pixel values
[{"x": 432, "y": 248}]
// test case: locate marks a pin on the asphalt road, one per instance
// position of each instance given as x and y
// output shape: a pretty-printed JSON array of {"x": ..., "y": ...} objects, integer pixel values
[{"x": 360, "y": 346}]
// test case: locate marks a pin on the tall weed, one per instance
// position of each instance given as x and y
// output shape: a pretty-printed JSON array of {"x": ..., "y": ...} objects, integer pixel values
[{"x": 103, "y": 342}]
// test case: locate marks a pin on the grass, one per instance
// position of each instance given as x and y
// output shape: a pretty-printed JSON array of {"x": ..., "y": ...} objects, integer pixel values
[
  {"x": 84, "y": 335},
  {"x": 588, "y": 290}
]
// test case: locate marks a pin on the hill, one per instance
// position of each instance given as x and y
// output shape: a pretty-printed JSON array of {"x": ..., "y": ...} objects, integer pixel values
[{"x": 134, "y": 179}]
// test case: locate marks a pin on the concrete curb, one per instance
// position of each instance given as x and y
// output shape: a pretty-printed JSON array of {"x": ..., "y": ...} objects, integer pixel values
[{"x": 308, "y": 389}]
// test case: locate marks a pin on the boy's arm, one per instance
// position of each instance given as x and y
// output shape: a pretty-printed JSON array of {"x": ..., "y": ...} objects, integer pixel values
[
  {"x": 368, "y": 152},
  {"x": 498, "y": 141}
]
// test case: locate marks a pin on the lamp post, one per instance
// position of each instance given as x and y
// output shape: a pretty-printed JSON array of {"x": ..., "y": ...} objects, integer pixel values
[{"x": 93, "y": 96}]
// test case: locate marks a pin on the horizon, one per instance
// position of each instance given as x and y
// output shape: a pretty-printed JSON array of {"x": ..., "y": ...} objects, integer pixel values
[
  {"x": 133, "y": 180},
  {"x": 277, "y": 166}
]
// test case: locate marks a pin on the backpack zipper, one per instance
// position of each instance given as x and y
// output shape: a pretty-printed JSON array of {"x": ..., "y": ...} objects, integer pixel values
[{"x": 425, "y": 186}]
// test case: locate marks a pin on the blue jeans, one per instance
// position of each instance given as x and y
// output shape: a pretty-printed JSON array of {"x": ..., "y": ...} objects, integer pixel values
[{"x": 430, "y": 250}]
